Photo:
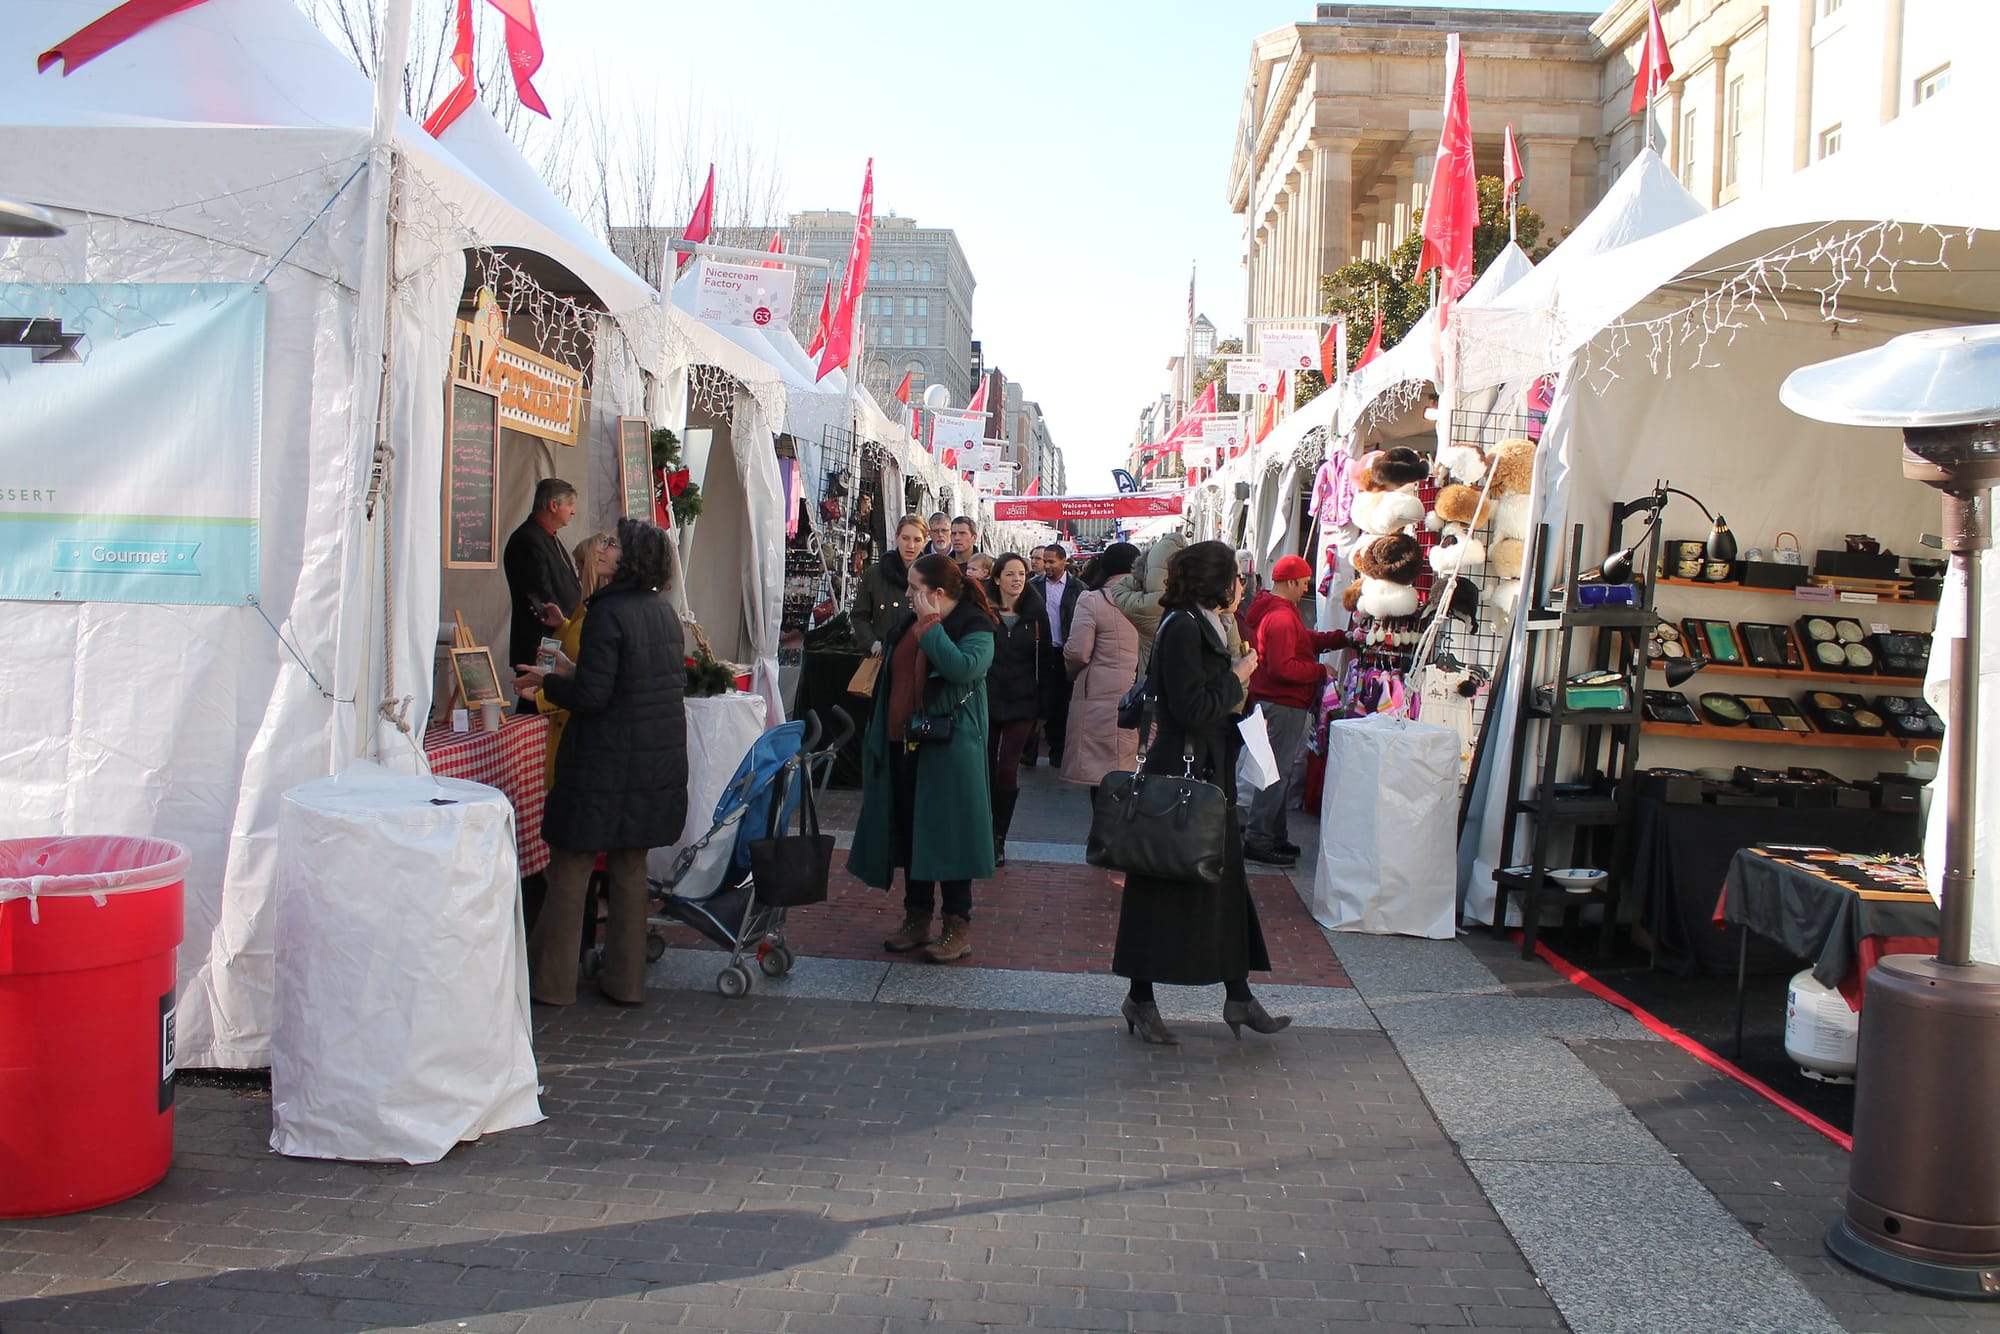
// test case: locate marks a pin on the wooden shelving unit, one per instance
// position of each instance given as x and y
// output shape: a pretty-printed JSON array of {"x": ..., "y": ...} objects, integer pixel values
[
  {"x": 1809, "y": 678},
  {"x": 1791, "y": 595},
  {"x": 1770, "y": 737}
]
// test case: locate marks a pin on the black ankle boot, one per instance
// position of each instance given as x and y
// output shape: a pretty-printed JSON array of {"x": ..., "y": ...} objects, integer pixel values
[{"x": 1003, "y": 819}]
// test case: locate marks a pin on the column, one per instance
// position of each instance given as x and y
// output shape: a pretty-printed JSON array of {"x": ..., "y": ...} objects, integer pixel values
[
  {"x": 1892, "y": 59},
  {"x": 1550, "y": 162},
  {"x": 1719, "y": 130},
  {"x": 1333, "y": 183}
]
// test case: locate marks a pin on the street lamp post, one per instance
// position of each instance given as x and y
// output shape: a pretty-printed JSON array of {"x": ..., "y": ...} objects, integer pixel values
[{"x": 1923, "y": 1192}]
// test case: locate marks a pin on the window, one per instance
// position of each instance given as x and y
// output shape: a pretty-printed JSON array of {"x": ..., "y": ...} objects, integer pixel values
[
  {"x": 924, "y": 306},
  {"x": 909, "y": 305},
  {"x": 923, "y": 336},
  {"x": 872, "y": 266},
  {"x": 1930, "y": 85},
  {"x": 1732, "y": 144},
  {"x": 909, "y": 338},
  {"x": 909, "y": 272},
  {"x": 926, "y": 270},
  {"x": 1690, "y": 127},
  {"x": 1829, "y": 141}
]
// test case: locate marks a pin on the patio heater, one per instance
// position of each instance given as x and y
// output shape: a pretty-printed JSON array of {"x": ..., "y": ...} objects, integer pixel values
[
  {"x": 1923, "y": 1186},
  {"x": 20, "y": 219}
]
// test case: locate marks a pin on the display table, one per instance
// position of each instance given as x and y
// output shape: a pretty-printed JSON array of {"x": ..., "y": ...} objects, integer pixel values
[
  {"x": 720, "y": 731},
  {"x": 1841, "y": 914},
  {"x": 514, "y": 760},
  {"x": 1682, "y": 852}
]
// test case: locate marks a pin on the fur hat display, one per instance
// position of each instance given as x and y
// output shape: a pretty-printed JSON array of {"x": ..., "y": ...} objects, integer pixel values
[
  {"x": 1514, "y": 468},
  {"x": 1381, "y": 512},
  {"x": 1391, "y": 469},
  {"x": 1459, "y": 503},
  {"x": 1510, "y": 516},
  {"x": 1506, "y": 557},
  {"x": 1398, "y": 559},
  {"x": 1463, "y": 463},
  {"x": 1382, "y": 600},
  {"x": 1457, "y": 552}
]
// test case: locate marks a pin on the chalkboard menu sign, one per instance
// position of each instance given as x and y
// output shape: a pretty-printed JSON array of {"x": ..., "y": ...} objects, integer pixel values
[
  {"x": 635, "y": 467},
  {"x": 471, "y": 466}
]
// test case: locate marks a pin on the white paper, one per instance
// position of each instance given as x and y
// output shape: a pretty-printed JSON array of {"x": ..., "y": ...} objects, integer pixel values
[{"x": 1257, "y": 766}]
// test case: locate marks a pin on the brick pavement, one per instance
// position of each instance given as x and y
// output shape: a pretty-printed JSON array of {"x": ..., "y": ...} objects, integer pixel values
[{"x": 771, "y": 1164}]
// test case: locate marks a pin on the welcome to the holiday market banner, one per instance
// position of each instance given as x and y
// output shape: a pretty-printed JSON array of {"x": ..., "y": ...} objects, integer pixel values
[{"x": 131, "y": 416}]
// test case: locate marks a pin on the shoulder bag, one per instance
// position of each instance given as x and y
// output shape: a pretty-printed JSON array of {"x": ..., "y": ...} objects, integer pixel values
[
  {"x": 1136, "y": 704},
  {"x": 1160, "y": 825},
  {"x": 791, "y": 870}
]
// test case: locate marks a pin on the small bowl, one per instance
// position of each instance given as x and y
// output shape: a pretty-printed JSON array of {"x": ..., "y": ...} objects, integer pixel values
[
  {"x": 1579, "y": 879},
  {"x": 1927, "y": 569}
]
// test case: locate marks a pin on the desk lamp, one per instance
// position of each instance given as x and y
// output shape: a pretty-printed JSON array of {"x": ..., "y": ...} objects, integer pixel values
[
  {"x": 1618, "y": 566},
  {"x": 1923, "y": 1185}
]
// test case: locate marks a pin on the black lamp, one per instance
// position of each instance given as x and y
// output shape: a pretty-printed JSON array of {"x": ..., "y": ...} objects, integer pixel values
[
  {"x": 1618, "y": 567},
  {"x": 1679, "y": 671},
  {"x": 1923, "y": 1183}
]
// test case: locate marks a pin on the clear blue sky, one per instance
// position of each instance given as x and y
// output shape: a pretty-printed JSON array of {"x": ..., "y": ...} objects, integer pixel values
[{"x": 1080, "y": 148}]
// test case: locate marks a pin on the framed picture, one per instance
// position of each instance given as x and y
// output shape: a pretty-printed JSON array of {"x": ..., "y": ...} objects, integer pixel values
[
  {"x": 478, "y": 683},
  {"x": 635, "y": 468},
  {"x": 471, "y": 471}
]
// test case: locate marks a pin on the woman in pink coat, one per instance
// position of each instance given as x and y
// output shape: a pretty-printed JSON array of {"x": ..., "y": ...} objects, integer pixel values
[{"x": 1102, "y": 653}]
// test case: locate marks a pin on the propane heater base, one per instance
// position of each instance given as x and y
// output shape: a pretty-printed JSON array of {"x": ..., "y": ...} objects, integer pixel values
[{"x": 1931, "y": 1277}]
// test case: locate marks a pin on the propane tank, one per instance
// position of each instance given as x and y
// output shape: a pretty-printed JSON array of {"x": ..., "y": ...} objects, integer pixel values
[{"x": 1821, "y": 1032}]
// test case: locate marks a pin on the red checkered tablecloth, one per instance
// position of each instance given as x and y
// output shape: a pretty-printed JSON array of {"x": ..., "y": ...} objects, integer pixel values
[{"x": 514, "y": 760}]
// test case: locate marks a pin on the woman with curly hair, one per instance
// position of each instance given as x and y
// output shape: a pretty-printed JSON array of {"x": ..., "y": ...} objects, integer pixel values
[
  {"x": 1184, "y": 932},
  {"x": 621, "y": 776}
]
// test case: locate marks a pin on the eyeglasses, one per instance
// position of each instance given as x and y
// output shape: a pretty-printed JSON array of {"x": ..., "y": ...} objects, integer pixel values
[{"x": 611, "y": 544}]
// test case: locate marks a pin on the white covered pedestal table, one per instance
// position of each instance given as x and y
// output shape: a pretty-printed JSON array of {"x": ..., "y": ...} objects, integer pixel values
[
  {"x": 400, "y": 1016},
  {"x": 1388, "y": 826}
]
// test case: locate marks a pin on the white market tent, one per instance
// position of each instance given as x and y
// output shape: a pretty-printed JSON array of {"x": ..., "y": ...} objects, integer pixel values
[
  {"x": 1673, "y": 349},
  {"x": 232, "y": 144}
]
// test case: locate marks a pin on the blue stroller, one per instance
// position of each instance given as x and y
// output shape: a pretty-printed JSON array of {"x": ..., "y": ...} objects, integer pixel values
[{"x": 712, "y": 888}]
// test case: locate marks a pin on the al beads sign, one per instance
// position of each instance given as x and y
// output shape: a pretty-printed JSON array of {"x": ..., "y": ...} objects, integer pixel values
[
  {"x": 129, "y": 441},
  {"x": 747, "y": 295}
]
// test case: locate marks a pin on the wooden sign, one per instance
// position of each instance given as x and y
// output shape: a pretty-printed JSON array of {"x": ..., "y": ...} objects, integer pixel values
[
  {"x": 478, "y": 683},
  {"x": 538, "y": 396},
  {"x": 471, "y": 469},
  {"x": 635, "y": 467}
]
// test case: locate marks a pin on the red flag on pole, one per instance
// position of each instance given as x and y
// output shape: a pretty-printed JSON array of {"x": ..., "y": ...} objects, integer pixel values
[
  {"x": 1655, "y": 65},
  {"x": 1511, "y": 173},
  {"x": 903, "y": 389},
  {"x": 777, "y": 247},
  {"x": 524, "y": 49},
  {"x": 94, "y": 39},
  {"x": 840, "y": 332},
  {"x": 703, "y": 220},
  {"x": 978, "y": 403},
  {"x": 461, "y": 97},
  {"x": 825, "y": 323},
  {"x": 1034, "y": 488},
  {"x": 1270, "y": 418},
  {"x": 1374, "y": 347},
  {"x": 1451, "y": 206},
  {"x": 1327, "y": 343}
]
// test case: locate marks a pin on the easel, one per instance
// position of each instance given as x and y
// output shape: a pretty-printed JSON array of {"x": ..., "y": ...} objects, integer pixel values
[{"x": 461, "y": 637}]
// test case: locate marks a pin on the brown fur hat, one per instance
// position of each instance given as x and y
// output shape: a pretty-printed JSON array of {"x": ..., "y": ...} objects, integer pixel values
[
  {"x": 1350, "y": 597},
  {"x": 1389, "y": 469},
  {"x": 1505, "y": 557},
  {"x": 1397, "y": 558},
  {"x": 1460, "y": 504},
  {"x": 1513, "y": 468}
]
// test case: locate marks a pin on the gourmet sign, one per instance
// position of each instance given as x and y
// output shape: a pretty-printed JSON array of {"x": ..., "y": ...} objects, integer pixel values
[{"x": 538, "y": 396}]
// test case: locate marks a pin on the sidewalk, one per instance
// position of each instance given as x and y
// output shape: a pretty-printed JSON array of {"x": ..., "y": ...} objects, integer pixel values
[{"x": 1447, "y": 1138}]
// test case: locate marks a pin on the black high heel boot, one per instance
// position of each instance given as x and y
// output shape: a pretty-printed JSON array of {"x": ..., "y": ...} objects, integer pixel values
[
  {"x": 1237, "y": 1014},
  {"x": 1003, "y": 820},
  {"x": 1144, "y": 1019}
]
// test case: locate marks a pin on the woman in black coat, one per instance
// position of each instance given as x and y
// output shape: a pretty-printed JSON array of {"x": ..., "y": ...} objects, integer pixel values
[
  {"x": 1185, "y": 932},
  {"x": 1013, "y": 686},
  {"x": 621, "y": 776}
]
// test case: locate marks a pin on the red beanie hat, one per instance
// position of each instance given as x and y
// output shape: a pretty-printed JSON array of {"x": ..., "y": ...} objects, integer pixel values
[{"x": 1291, "y": 567}]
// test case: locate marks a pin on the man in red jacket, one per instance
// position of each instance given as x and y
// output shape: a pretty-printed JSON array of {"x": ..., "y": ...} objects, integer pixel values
[{"x": 1287, "y": 684}]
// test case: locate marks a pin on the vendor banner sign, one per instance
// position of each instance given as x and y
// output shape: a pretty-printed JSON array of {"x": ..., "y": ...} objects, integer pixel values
[
  {"x": 749, "y": 296},
  {"x": 1288, "y": 350},
  {"x": 1124, "y": 505},
  {"x": 957, "y": 434},
  {"x": 131, "y": 420},
  {"x": 1250, "y": 376}
]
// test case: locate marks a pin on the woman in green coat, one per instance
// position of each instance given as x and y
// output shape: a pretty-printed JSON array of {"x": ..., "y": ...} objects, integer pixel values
[{"x": 925, "y": 807}]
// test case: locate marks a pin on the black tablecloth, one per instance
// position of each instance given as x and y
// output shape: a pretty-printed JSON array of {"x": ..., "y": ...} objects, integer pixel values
[
  {"x": 823, "y": 678},
  {"x": 1814, "y": 916},
  {"x": 1682, "y": 855}
]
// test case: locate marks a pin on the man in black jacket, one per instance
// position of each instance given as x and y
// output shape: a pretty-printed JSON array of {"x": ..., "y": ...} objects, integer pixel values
[
  {"x": 541, "y": 577},
  {"x": 1059, "y": 591}
]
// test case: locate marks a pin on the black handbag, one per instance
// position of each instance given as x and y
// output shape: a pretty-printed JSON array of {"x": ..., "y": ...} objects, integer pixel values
[
  {"x": 1136, "y": 704},
  {"x": 925, "y": 728},
  {"x": 791, "y": 870},
  {"x": 1160, "y": 825}
]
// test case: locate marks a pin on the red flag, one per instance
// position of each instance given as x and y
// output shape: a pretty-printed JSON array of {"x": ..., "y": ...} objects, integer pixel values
[
  {"x": 777, "y": 247},
  {"x": 524, "y": 50},
  {"x": 1451, "y": 205},
  {"x": 978, "y": 403},
  {"x": 1511, "y": 173},
  {"x": 704, "y": 217},
  {"x": 903, "y": 389},
  {"x": 1374, "y": 348},
  {"x": 462, "y": 96},
  {"x": 1034, "y": 488},
  {"x": 840, "y": 333},
  {"x": 1271, "y": 414},
  {"x": 825, "y": 319},
  {"x": 1327, "y": 343},
  {"x": 94, "y": 39},
  {"x": 1655, "y": 65}
]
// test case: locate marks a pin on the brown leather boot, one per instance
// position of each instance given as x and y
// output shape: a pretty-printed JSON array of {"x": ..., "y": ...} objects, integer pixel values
[
  {"x": 954, "y": 944},
  {"x": 915, "y": 931}
]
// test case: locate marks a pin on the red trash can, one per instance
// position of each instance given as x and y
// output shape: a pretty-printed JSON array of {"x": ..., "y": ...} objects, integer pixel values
[{"x": 89, "y": 930}]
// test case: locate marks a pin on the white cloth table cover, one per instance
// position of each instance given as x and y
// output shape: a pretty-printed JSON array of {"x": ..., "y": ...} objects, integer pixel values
[{"x": 1387, "y": 832}]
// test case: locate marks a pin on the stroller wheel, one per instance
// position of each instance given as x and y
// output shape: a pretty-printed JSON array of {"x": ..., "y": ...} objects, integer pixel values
[
  {"x": 733, "y": 981},
  {"x": 656, "y": 946},
  {"x": 776, "y": 961}
]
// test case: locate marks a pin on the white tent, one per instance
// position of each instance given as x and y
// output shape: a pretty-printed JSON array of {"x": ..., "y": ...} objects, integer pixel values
[
  {"x": 232, "y": 144},
  {"x": 1697, "y": 326}
]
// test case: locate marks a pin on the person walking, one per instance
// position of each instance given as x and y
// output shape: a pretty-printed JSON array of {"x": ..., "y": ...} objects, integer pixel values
[
  {"x": 541, "y": 576},
  {"x": 1013, "y": 687},
  {"x": 1189, "y": 933},
  {"x": 1139, "y": 596},
  {"x": 940, "y": 528},
  {"x": 1286, "y": 686},
  {"x": 925, "y": 805},
  {"x": 1102, "y": 654},
  {"x": 596, "y": 561},
  {"x": 621, "y": 784},
  {"x": 964, "y": 540},
  {"x": 884, "y": 594},
  {"x": 1059, "y": 591}
]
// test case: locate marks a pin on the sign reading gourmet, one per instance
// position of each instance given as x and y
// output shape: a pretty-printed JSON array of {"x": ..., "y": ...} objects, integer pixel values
[
  {"x": 1125, "y": 505},
  {"x": 538, "y": 396},
  {"x": 471, "y": 464}
]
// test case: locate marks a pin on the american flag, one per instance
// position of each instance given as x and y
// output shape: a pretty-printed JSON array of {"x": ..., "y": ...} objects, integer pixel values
[{"x": 1190, "y": 296}]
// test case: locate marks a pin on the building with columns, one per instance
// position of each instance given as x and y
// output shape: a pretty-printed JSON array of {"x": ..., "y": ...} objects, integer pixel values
[{"x": 1341, "y": 113}]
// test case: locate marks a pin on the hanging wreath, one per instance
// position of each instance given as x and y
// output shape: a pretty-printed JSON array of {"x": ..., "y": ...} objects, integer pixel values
[{"x": 672, "y": 487}]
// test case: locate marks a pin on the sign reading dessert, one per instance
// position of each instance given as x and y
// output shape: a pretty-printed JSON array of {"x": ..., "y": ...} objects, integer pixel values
[
  {"x": 130, "y": 441},
  {"x": 538, "y": 396},
  {"x": 749, "y": 296}
]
